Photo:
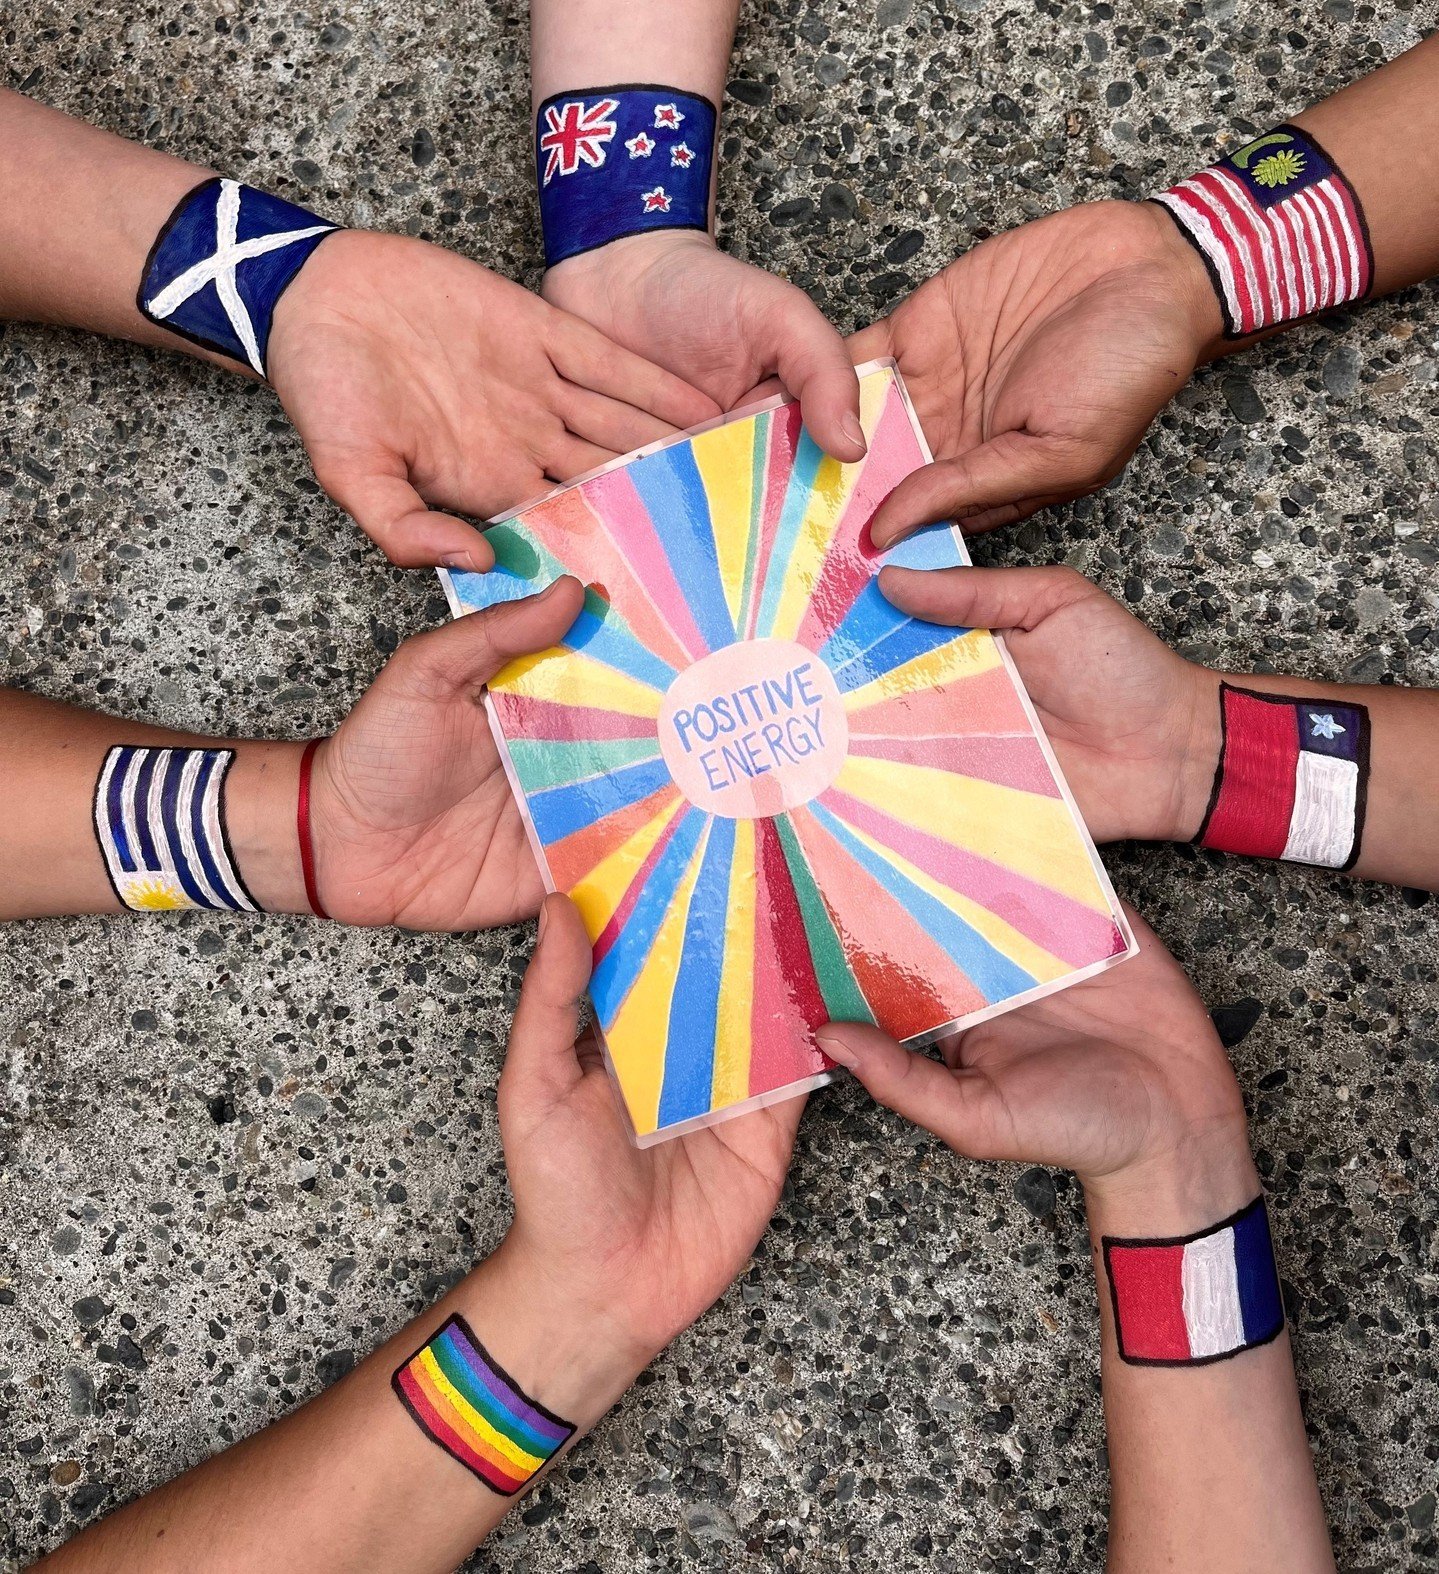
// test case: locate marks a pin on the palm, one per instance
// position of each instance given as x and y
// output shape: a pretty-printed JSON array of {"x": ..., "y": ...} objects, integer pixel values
[{"x": 1037, "y": 360}]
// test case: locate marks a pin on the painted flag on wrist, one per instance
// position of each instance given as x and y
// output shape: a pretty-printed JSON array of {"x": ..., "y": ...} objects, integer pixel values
[
  {"x": 1292, "y": 779},
  {"x": 619, "y": 161},
  {"x": 1280, "y": 230},
  {"x": 1197, "y": 1298}
]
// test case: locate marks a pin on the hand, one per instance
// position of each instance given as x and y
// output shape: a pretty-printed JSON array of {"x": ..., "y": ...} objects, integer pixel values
[
  {"x": 634, "y": 1244},
  {"x": 719, "y": 323},
  {"x": 411, "y": 816},
  {"x": 418, "y": 378},
  {"x": 1135, "y": 726},
  {"x": 1121, "y": 1079},
  {"x": 1037, "y": 360}
]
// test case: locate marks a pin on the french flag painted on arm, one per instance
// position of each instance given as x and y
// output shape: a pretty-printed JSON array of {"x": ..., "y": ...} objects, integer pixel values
[
  {"x": 1198, "y": 1298},
  {"x": 1292, "y": 779}
]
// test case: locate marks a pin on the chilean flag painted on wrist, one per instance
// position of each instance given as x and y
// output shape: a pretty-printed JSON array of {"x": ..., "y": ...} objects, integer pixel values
[
  {"x": 1197, "y": 1298},
  {"x": 1292, "y": 779}
]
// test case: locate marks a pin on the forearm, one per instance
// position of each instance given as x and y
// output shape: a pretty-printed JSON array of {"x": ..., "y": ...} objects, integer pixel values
[
  {"x": 82, "y": 209},
  {"x": 1210, "y": 1466},
  {"x": 1391, "y": 751},
  {"x": 51, "y": 859},
  {"x": 350, "y": 1482}
]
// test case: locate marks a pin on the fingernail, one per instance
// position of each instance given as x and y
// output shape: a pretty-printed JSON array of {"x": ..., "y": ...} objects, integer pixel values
[
  {"x": 853, "y": 430},
  {"x": 460, "y": 562},
  {"x": 548, "y": 591},
  {"x": 837, "y": 1050}
]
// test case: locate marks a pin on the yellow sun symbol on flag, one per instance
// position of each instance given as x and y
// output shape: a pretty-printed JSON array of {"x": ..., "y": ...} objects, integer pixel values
[
  {"x": 155, "y": 894},
  {"x": 1278, "y": 169}
]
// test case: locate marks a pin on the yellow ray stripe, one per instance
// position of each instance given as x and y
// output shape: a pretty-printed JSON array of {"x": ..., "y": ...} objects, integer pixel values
[
  {"x": 1023, "y": 831},
  {"x": 725, "y": 460},
  {"x": 1040, "y": 964},
  {"x": 636, "y": 1040},
  {"x": 571, "y": 678},
  {"x": 736, "y": 993},
  {"x": 527, "y": 1463},
  {"x": 601, "y": 891},
  {"x": 833, "y": 486},
  {"x": 966, "y": 657}
]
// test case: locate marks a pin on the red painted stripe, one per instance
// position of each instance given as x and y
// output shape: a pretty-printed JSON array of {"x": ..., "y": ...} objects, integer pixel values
[
  {"x": 1354, "y": 222},
  {"x": 1256, "y": 790},
  {"x": 1242, "y": 220},
  {"x": 1297, "y": 297},
  {"x": 450, "y": 1439},
  {"x": 1148, "y": 1286},
  {"x": 1255, "y": 226},
  {"x": 1338, "y": 272}
]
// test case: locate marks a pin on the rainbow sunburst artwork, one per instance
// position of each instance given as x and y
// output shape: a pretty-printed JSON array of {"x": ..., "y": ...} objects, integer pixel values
[{"x": 776, "y": 799}]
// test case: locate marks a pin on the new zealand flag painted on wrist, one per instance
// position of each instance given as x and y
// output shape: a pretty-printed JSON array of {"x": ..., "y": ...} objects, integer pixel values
[
  {"x": 221, "y": 263},
  {"x": 615, "y": 161}
]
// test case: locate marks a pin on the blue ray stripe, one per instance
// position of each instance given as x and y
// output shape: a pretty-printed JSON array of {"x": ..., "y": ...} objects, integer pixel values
[
  {"x": 995, "y": 975},
  {"x": 808, "y": 457},
  {"x": 912, "y": 638},
  {"x": 115, "y": 809},
  {"x": 871, "y": 616},
  {"x": 673, "y": 492},
  {"x": 149, "y": 857},
  {"x": 478, "y": 592},
  {"x": 935, "y": 546},
  {"x": 615, "y": 975},
  {"x": 694, "y": 1011},
  {"x": 560, "y": 810},
  {"x": 170, "y": 811},
  {"x": 213, "y": 860}
]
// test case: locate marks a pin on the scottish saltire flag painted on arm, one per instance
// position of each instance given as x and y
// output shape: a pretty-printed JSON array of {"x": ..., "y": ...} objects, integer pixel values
[
  {"x": 1197, "y": 1298},
  {"x": 776, "y": 799},
  {"x": 1280, "y": 229}
]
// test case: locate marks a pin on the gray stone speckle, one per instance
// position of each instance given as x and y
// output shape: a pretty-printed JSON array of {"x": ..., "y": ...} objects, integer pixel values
[{"x": 167, "y": 554}]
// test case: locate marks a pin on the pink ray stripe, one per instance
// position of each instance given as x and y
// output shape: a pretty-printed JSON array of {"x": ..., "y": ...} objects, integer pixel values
[
  {"x": 919, "y": 985},
  {"x": 645, "y": 558},
  {"x": 620, "y": 917},
  {"x": 984, "y": 703},
  {"x": 784, "y": 430},
  {"x": 850, "y": 562},
  {"x": 523, "y": 716},
  {"x": 1011, "y": 762},
  {"x": 1065, "y": 928}
]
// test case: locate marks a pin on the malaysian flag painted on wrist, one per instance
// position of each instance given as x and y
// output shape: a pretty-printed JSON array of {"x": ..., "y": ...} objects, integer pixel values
[
  {"x": 160, "y": 822},
  {"x": 1292, "y": 779},
  {"x": 1279, "y": 228},
  {"x": 617, "y": 161},
  {"x": 1193, "y": 1299}
]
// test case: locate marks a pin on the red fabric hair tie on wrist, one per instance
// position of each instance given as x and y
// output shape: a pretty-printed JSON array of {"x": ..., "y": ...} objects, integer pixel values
[{"x": 302, "y": 827}]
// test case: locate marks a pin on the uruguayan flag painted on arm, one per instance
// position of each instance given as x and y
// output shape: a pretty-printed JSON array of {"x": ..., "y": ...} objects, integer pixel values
[{"x": 159, "y": 818}]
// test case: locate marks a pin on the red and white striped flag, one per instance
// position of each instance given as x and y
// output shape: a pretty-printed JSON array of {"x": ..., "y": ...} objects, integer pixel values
[{"x": 1279, "y": 228}]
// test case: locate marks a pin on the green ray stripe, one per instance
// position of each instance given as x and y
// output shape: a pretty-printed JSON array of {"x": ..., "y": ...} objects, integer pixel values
[
  {"x": 842, "y": 996},
  {"x": 544, "y": 763}
]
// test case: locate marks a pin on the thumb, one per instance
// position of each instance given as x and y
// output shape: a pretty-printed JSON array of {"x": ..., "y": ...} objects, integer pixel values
[
  {"x": 1006, "y": 479},
  {"x": 541, "y": 1064},
  {"x": 959, "y": 1107},
  {"x": 394, "y": 516},
  {"x": 469, "y": 652},
  {"x": 984, "y": 598},
  {"x": 813, "y": 363}
]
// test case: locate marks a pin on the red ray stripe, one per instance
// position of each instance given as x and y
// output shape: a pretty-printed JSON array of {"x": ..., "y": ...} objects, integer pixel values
[
  {"x": 1259, "y": 238},
  {"x": 985, "y": 703},
  {"x": 1303, "y": 261},
  {"x": 780, "y": 1021},
  {"x": 785, "y": 426},
  {"x": 573, "y": 856},
  {"x": 611, "y": 932},
  {"x": 1256, "y": 790},
  {"x": 1010, "y": 762},
  {"x": 524, "y": 716},
  {"x": 1324, "y": 246}
]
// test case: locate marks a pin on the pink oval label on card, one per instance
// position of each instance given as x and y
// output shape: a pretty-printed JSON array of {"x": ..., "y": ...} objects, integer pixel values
[{"x": 754, "y": 729}]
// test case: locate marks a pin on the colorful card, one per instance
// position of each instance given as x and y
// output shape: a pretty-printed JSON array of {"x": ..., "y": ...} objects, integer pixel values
[{"x": 776, "y": 800}]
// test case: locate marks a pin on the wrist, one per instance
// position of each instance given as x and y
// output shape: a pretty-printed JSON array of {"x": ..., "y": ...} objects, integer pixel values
[
  {"x": 1200, "y": 738},
  {"x": 587, "y": 283},
  {"x": 1205, "y": 1175},
  {"x": 260, "y": 795},
  {"x": 1190, "y": 283}
]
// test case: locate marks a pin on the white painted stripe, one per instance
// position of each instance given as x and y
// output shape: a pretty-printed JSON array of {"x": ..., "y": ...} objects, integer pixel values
[
  {"x": 1268, "y": 307},
  {"x": 1300, "y": 236},
  {"x": 1238, "y": 241},
  {"x": 1288, "y": 268},
  {"x": 189, "y": 772},
  {"x": 1326, "y": 798},
  {"x": 1323, "y": 279},
  {"x": 153, "y": 817},
  {"x": 1212, "y": 1313},
  {"x": 1339, "y": 274},
  {"x": 127, "y": 807},
  {"x": 102, "y": 818},
  {"x": 215, "y": 839},
  {"x": 1201, "y": 227},
  {"x": 1347, "y": 242}
]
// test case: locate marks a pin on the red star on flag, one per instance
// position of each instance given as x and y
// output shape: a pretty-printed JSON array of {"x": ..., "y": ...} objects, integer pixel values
[
  {"x": 667, "y": 116},
  {"x": 576, "y": 135},
  {"x": 641, "y": 146},
  {"x": 682, "y": 155},
  {"x": 656, "y": 201}
]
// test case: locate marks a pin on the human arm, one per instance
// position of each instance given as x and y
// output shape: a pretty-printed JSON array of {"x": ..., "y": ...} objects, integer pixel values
[
  {"x": 1123, "y": 1080},
  {"x": 1038, "y": 359},
  {"x": 613, "y": 1250},
  {"x": 411, "y": 818},
  {"x": 670, "y": 294},
  {"x": 418, "y": 381},
  {"x": 1139, "y": 730}
]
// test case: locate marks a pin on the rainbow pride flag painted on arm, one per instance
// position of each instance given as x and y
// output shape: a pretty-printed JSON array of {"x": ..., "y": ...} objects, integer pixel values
[{"x": 775, "y": 798}]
